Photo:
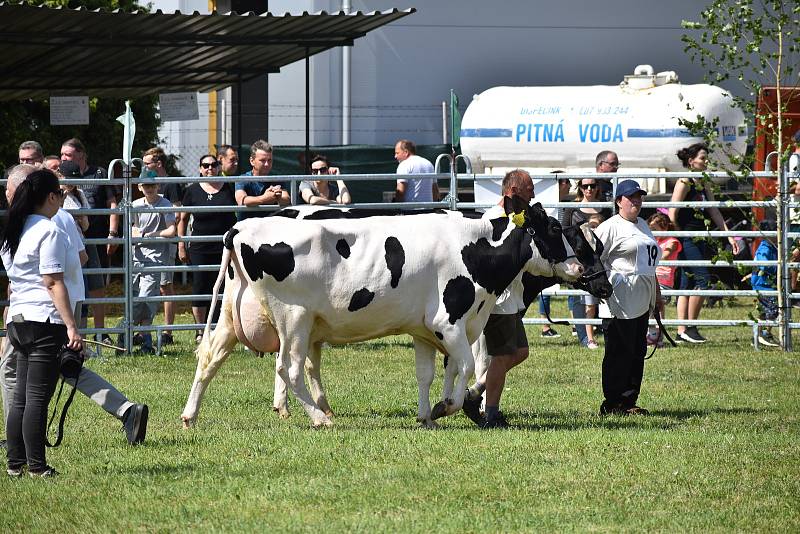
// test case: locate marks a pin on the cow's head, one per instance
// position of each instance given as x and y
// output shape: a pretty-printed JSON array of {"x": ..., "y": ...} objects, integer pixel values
[
  {"x": 588, "y": 250},
  {"x": 547, "y": 236}
]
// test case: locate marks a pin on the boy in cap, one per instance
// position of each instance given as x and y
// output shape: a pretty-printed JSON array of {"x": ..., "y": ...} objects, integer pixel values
[{"x": 149, "y": 225}]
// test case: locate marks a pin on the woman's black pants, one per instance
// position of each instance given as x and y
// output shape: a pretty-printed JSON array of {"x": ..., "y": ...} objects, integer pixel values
[
  {"x": 36, "y": 346},
  {"x": 623, "y": 363}
]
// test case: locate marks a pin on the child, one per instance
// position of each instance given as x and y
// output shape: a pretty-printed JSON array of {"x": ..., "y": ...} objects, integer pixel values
[
  {"x": 670, "y": 248},
  {"x": 149, "y": 225},
  {"x": 764, "y": 277}
]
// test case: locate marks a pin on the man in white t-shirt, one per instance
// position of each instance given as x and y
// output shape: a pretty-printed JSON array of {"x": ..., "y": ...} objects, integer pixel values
[
  {"x": 413, "y": 189},
  {"x": 133, "y": 416}
]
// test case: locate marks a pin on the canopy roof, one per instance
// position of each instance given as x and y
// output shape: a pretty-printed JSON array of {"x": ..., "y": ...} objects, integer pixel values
[{"x": 64, "y": 51}]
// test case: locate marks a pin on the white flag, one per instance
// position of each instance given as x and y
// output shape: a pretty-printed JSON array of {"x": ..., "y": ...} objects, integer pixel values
[{"x": 129, "y": 123}]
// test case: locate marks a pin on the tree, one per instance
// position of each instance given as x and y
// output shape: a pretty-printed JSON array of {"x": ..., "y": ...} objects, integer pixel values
[
  {"x": 757, "y": 44},
  {"x": 30, "y": 119}
]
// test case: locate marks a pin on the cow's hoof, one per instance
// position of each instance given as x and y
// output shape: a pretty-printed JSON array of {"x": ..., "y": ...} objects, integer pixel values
[
  {"x": 282, "y": 412},
  {"x": 428, "y": 424},
  {"x": 329, "y": 413},
  {"x": 188, "y": 422},
  {"x": 439, "y": 410},
  {"x": 324, "y": 423}
]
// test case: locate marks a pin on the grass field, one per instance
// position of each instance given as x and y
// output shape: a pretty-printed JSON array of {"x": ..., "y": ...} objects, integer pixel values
[{"x": 719, "y": 452}]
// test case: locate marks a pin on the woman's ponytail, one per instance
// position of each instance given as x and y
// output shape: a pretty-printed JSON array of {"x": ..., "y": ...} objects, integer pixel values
[{"x": 29, "y": 196}]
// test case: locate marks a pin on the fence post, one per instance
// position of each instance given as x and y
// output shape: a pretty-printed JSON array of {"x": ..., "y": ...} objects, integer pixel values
[{"x": 784, "y": 277}]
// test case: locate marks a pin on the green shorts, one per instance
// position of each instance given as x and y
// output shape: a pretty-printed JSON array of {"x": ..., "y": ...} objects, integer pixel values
[{"x": 505, "y": 334}]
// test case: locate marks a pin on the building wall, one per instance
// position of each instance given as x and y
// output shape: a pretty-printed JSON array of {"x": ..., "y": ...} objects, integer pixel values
[{"x": 402, "y": 72}]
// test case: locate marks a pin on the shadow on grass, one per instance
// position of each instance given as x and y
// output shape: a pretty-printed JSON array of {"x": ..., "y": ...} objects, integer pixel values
[{"x": 162, "y": 469}]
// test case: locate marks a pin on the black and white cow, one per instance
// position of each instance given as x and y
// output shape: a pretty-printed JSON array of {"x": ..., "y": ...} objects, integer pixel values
[{"x": 435, "y": 277}]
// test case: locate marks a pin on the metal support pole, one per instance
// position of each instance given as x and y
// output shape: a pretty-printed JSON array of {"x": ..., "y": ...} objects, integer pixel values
[
  {"x": 346, "y": 84},
  {"x": 784, "y": 276},
  {"x": 239, "y": 114},
  {"x": 127, "y": 258}
]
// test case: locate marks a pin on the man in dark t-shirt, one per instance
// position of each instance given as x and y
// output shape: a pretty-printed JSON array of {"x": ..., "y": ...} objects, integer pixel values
[{"x": 99, "y": 197}]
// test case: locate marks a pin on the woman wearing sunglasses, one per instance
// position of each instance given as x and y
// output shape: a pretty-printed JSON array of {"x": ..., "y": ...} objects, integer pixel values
[
  {"x": 589, "y": 190},
  {"x": 208, "y": 192},
  {"x": 320, "y": 190}
]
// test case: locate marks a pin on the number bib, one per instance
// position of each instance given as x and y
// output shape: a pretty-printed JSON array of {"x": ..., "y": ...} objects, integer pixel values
[{"x": 647, "y": 255}]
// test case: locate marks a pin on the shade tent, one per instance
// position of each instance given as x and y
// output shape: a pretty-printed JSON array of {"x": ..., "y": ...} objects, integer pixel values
[{"x": 61, "y": 51}]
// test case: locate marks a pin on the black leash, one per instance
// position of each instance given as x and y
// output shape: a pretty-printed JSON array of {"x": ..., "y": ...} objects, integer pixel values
[{"x": 661, "y": 329}]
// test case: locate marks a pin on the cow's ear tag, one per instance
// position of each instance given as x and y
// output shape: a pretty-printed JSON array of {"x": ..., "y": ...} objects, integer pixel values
[{"x": 518, "y": 219}]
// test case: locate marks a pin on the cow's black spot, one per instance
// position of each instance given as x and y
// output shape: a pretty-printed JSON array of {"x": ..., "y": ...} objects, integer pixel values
[
  {"x": 445, "y": 361},
  {"x": 228, "y": 239},
  {"x": 440, "y": 336},
  {"x": 275, "y": 260},
  {"x": 360, "y": 299},
  {"x": 289, "y": 213},
  {"x": 458, "y": 297},
  {"x": 481, "y": 305},
  {"x": 533, "y": 285},
  {"x": 230, "y": 271},
  {"x": 395, "y": 259},
  {"x": 343, "y": 248},
  {"x": 329, "y": 213},
  {"x": 494, "y": 268},
  {"x": 498, "y": 227}
]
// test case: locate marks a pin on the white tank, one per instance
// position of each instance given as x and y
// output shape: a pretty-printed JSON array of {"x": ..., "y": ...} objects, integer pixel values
[{"x": 547, "y": 128}]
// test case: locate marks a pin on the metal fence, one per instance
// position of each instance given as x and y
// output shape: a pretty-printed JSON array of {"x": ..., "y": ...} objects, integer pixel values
[{"x": 126, "y": 209}]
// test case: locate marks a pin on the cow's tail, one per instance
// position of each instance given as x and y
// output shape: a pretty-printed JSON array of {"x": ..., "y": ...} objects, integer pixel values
[{"x": 205, "y": 345}]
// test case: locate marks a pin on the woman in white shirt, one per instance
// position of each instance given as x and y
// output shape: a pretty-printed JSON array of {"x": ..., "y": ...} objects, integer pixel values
[
  {"x": 630, "y": 256},
  {"x": 40, "y": 320}
]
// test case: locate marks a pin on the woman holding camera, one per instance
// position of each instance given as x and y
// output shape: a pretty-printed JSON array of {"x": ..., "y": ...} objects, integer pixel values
[
  {"x": 321, "y": 190},
  {"x": 39, "y": 318}
]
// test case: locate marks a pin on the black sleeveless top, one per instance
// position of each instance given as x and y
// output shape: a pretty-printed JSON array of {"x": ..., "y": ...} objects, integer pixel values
[{"x": 692, "y": 218}]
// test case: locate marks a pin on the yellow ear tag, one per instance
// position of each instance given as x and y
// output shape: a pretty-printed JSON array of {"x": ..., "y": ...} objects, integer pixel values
[{"x": 518, "y": 219}]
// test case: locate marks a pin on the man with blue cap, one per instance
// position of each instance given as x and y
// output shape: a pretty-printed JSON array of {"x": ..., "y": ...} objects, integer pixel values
[{"x": 630, "y": 256}]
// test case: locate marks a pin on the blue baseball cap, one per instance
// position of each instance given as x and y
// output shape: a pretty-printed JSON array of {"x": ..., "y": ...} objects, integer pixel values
[{"x": 627, "y": 188}]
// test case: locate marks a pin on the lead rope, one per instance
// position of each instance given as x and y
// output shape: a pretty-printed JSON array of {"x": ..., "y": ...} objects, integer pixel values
[{"x": 661, "y": 329}]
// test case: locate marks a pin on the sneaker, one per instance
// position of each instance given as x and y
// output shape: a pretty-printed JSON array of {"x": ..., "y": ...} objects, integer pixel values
[
  {"x": 135, "y": 423},
  {"x": 47, "y": 472},
  {"x": 768, "y": 340},
  {"x": 691, "y": 335},
  {"x": 472, "y": 409},
  {"x": 498, "y": 421},
  {"x": 14, "y": 472},
  {"x": 550, "y": 333},
  {"x": 167, "y": 339},
  {"x": 592, "y": 345}
]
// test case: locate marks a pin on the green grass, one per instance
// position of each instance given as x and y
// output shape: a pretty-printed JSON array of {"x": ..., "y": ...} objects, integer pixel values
[{"x": 720, "y": 451}]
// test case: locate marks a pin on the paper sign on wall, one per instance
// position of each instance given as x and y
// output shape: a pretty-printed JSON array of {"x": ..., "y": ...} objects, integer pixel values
[
  {"x": 67, "y": 110},
  {"x": 178, "y": 107}
]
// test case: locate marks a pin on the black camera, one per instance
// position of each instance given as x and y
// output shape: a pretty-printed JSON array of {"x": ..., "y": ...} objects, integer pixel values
[{"x": 70, "y": 362}]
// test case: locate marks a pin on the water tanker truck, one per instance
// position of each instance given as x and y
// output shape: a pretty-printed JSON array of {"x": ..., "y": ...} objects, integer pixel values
[{"x": 546, "y": 128}]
